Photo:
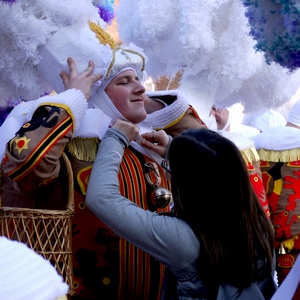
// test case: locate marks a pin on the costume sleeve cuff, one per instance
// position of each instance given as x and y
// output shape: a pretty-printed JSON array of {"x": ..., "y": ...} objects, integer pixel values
[{"x": 73, "y": 101}]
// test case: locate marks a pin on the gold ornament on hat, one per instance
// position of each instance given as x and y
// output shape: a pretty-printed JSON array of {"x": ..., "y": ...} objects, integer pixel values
[
  {"x": 120, "y": 56},
  {"x": 103, "y": 37}
]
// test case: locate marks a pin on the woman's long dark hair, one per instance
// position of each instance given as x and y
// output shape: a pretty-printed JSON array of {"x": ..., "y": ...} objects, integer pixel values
[{"x": 213, "y": 194}]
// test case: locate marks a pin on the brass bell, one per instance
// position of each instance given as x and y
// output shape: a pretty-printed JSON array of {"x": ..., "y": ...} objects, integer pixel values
[
  {"x": 281, "y": 249},
  {"x": 160, "y": 197}
]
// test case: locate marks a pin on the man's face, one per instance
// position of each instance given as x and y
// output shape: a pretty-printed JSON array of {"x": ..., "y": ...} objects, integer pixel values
[
  {"x": 221, "y": 116},
  {"x": 127, "y": 94}
]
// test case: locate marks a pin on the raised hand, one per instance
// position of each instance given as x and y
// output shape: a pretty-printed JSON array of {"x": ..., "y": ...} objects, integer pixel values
[
  {"x": 83, "y": 81},
  {"x": 129, "y": 129},
  {"x": 157, "y": 141}
]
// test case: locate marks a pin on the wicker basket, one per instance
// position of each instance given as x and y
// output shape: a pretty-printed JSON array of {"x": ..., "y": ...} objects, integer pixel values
[{"x": 48, "y": 232}]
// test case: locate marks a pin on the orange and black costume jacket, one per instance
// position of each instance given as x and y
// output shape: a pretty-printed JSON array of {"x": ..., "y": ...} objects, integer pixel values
[{"x": 105, "y": 266}]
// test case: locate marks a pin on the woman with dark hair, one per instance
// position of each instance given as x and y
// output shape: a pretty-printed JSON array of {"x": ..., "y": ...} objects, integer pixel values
[{"x": 218, "y": 243}]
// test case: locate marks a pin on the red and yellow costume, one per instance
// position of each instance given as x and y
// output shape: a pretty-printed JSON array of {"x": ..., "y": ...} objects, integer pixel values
[{"x": 279, "y": 150}]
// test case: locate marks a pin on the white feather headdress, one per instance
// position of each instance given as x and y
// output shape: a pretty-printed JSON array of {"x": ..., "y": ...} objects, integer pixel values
[
  {"x": 210, "y": 41},
  {"x": 36, "y": 45},
  {"x": 25, "y": 27}
]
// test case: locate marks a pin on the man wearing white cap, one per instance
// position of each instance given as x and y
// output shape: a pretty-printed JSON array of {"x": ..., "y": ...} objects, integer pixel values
[
  {"x": 279, "y": 150},
  {"x": 230, "y": 119},
  {"x": 105, "y": 266}
]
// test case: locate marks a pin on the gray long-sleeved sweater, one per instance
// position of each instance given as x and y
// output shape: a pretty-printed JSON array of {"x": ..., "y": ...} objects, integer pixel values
[{"x": 168, "y": 239}]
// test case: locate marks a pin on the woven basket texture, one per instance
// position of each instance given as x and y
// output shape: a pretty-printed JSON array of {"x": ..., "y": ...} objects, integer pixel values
[{"x": 48, "y": 232}]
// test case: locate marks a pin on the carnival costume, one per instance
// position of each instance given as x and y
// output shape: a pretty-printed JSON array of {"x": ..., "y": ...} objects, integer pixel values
[
  {"x": 105, "y": 266},
  {"x": 279, "y": 151}
]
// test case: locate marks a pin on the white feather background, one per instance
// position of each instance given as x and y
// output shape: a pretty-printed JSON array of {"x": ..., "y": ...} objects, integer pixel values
[
  {"x": 209, "y": 40},
  {"x": 24, "y": 27},
  {"x": 27, "y": 275}
]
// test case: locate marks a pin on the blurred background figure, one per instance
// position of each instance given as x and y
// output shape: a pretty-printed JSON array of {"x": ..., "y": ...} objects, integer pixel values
[
  {"x": 230, "y": 119},
  {"x": 279, "y": 151}
]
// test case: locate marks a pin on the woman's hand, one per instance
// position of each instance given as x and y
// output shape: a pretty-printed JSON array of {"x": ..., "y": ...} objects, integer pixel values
[
  {"x": 129, "y": 129},
  {"x": 83, "y": 81},
  {"x": 157, "y": 141}
]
